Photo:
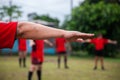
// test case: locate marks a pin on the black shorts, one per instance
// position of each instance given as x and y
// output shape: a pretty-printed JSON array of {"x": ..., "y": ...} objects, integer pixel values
[
  {"x": 99, "y": 53},
  {"x": 62, "y": 52},
  {"x": 35, "y": 61}
]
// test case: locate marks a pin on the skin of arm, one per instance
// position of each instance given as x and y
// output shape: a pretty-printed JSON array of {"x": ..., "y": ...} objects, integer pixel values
[
  {"x": 112, "y": 42},
  {"x": 32, "y": 43},
  {"x": 29, "y": 30},
  {"x": 87, "y": 41},
  {"x": 48, "y": 42}
]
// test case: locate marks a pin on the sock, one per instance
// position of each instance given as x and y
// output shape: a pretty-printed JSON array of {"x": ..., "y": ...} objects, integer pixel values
[
  {"x": 24, "y": 62},
  {"x": 30, "y": 75},
  {"x": 39, "y": 74},
  {"x": 20, "y": 61}
]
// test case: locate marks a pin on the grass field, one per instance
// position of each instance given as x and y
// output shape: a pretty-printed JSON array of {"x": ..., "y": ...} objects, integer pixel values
[{"x": 80, "y": 69}]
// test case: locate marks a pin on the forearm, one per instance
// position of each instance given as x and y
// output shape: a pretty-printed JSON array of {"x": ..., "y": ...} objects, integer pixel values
[
  {"x": 37, "y": 31},
  {"x": 31, "y": 43},
  {"x": 112, "y": 42},
  {"x": 48, "y": 42},
  {"x": 87, "y": 41}
]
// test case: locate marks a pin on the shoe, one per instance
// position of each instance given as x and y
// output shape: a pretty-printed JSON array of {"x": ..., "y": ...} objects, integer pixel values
[
  {"x": 102, "y": 68},
  {"x": 95, "y": 68},
  {"x": 66, "y": 67},
  {"x": 24, "y": 66}
]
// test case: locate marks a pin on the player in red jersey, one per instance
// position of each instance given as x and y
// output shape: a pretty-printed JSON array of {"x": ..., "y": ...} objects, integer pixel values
[
  {"x": 61, "y": 51},
  {"x": 28, "y": 30},
  {"x": 22, "y": 51},
  {"x": 37, "y": 57},
  {"x": 99, "y": 43}
]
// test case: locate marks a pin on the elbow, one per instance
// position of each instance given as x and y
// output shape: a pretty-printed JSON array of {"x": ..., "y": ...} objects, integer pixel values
[{"x": 20, "y": 29}]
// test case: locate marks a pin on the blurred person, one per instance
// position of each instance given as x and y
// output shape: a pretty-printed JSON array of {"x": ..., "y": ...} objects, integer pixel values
[
  {"x": 10, "y": 31},
  {"x": 37, "y": 57},
  {"x": 99, "y": 43},
  {"x": 68, "y": 48},
  {"x": 61, "y": 51},
  {"x": 22, "y": 51}
]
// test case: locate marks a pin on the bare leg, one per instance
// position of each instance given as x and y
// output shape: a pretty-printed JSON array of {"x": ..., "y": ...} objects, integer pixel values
[
  {"x": 20, "y": 58},
  {"x": 102, "y": 63},
  {"x": 24, "y": 58},
  {"x": 65, "y": 61},
  {"x": 59, "y": 60},
  {"x": 96, "y": 62}
]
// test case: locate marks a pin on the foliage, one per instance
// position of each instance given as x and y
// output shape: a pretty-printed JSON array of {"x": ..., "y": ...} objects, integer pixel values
[
  {"x": 10, "y": 12},
  {"x": 35, "y": 16},
  {"x": 97, "y": 1},
  {"x": 97, "y": 18}
]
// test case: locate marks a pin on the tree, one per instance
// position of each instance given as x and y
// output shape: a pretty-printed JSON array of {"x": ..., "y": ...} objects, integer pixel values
[
  {"x": 97, "y": 1},
  {"x": 1, "y": 14},
  {"x": 97, "y": 18},
  {"x": 10, "y": 12},
  {"x": 35, "y": 16}
]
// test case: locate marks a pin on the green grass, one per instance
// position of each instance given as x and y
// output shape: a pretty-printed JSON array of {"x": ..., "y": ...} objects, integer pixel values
[{"x": 80, "y": 69}]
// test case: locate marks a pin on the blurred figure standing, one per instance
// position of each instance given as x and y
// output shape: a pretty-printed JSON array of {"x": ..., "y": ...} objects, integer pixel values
[
  {"x": 99, "y": 43},
  {"x": 37, "y": 57},
  {"x": 22, "y": 52},
  {"x": 61, "y": 51},
  {"x": 68, "y": 48}
]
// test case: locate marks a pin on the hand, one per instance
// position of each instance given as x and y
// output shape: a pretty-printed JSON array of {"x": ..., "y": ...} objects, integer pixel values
[
  {"x": 114, "y": 42},
  {"x": 48, "y": 42},
  {"x": 76, "y": 36},
  {"x": 51, "y": 44}
]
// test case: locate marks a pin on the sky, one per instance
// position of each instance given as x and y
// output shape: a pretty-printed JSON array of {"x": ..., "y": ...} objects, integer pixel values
[{"x": 55, "y": 8}]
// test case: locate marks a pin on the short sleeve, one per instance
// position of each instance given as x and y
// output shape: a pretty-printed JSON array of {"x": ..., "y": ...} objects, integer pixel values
[
  {"x": 7, "y": 34},
  {"x": 92, "y": 40},
  {"x": 105, "y": 41}
]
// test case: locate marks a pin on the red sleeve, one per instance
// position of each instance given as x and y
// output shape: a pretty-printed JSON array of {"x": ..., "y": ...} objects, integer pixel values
[
  {"x": 105, "y": 41},
  {"x": 7, "y": 34},
  {"x": 92, "y": 41}
]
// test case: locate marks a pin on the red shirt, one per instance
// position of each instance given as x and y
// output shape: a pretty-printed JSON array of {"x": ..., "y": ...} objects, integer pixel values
[
  {"x": 38, "y": 53},
  {"x": 22, "y": 44},
  {"x": 7, "y": 34},
  {"x": 99, "y": 43},
  {"x": 60, "y": 44}
]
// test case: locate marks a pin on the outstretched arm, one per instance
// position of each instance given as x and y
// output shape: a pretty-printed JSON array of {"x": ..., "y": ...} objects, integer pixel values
[
  {"x": 112, "y": 42},
  {"x": 31, "y": 43},
  {"x": 48, "y": 42},
  {"x": 86, "y": 41},
  {"x": 31, "y": 30}
]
